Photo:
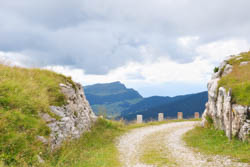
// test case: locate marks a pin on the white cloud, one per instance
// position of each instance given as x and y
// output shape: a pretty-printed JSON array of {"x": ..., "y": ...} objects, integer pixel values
[
  {"x": 163, "y": 70},
  {"x": 187, "y": 41},
  {"x": 12, "y": 58},
  {"x": 156, "y": 78},
  {"x": 218, "y": 50},
  {"x": 153, "y": 71},
  {"x": 99, "y": 36}
]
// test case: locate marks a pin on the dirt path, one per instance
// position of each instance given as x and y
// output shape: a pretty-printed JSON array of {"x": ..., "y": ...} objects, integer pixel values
[{"x": 131, "y": 147}]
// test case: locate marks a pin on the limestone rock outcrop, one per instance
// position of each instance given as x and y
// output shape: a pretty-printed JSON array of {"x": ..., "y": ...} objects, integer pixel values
[
  {"x": 219, "y": 105},
  {"x": 74, "y": 118}
]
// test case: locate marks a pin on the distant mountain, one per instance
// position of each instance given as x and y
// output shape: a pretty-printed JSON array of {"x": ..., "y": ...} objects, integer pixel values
[
  {"x": 188, "y": 104},
  {"x": 117, "y": 101},
  {"x": 152, "y": 102},
  {"x": 112, "y": 98}
]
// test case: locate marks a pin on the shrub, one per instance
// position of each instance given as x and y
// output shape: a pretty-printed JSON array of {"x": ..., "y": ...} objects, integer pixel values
[{"x": 216, "y": 69}]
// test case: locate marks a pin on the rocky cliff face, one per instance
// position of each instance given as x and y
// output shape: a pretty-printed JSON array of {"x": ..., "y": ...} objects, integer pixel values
[
  {"x": 219, "y": 106},
  {"x": 73, "y": 119}
]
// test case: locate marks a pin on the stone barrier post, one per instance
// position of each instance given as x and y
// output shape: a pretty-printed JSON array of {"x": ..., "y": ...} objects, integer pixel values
[
  {"x": 139, "y": 119},
  {"x": 180, "y": 115},
  {"x": 196, "y": 115},
  {"x": 160, "y": 117}
]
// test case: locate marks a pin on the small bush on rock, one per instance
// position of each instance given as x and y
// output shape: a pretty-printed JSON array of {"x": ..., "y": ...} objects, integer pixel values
[
  {"x": 209, "y": 122},
  {"x": 216, "y": 69}
]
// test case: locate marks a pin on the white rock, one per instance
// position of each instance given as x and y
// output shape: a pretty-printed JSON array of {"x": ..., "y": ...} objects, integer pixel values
[
  {"x": 63, "y": 85},
  {"x": 42, "y": 139},
  {"x": 244, "y": 63},
  {"x": 228, "y": 69},
  {"x": 57, "y": 110},
  {"x": 46, "y": 117},
  {"x": 212, "y": 88},
  {"x": 76, "y": 117}
]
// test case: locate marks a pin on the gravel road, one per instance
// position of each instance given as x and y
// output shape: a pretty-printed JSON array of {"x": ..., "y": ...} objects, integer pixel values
[{"x": 130, "y": 144}]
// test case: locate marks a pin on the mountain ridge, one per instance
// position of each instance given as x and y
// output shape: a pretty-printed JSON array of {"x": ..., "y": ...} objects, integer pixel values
[
  {"x": 188, "y": 104},
  {"x": 111, "y": 98},
  {"x": 117, "y": 101}
]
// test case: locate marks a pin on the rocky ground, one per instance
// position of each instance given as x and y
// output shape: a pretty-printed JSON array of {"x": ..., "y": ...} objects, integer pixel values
[{"x": 131, "y": 147}]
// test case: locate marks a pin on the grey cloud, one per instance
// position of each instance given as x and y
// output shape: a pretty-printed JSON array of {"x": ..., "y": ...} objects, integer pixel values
[{"x": 98, "y": 35}]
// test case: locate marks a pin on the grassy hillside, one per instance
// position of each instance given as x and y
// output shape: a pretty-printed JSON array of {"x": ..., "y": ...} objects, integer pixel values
[
  {"x": 239, "y": 79},
  {"x": 23, "y": 94},
  {"x": 93, "y": 149}
]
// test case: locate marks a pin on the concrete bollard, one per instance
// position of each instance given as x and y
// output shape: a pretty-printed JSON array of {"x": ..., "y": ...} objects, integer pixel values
[
  {"x": 139, "y": 119},
  {"x": 160, "y": 116},
  {"x": 180, "y": 115},
  {"x": 196, "y": 115}
]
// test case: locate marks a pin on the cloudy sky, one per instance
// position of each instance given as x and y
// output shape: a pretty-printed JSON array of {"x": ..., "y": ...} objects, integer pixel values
[{"x": 159, "y": 47}]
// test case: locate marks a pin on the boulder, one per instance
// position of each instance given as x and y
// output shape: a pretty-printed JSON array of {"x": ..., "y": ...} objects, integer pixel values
[{"x": 75, "y": 118}]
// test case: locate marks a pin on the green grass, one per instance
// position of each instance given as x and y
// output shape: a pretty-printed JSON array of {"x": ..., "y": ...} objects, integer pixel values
[
  {"x": 238, "y": 80},
  {"x": 94, "y": 149},
  {"x": 24, "y": 93},
  {"x": 215, "y": 142},
  {"x": 244, "y": 56}
]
